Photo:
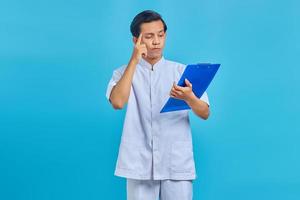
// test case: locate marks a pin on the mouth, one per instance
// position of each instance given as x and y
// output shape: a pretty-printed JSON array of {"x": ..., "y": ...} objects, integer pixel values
[{"x": 156, "y": 49}]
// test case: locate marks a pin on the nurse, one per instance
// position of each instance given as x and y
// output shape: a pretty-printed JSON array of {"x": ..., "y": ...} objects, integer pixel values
[{"x": 156, "y": 151}]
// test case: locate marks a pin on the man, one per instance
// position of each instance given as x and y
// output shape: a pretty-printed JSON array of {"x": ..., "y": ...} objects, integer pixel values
[{"x": 156, "y": 152}]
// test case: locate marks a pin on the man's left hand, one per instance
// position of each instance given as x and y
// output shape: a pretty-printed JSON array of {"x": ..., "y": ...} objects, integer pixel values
[{"x": 183, "y": 93}]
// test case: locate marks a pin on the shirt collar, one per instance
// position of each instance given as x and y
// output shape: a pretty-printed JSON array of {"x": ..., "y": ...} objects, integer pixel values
[{"x": 146, "y": 64}]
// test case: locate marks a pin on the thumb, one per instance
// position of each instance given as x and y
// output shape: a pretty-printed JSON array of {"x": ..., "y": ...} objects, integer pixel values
[{"x": 188, "y": 83}]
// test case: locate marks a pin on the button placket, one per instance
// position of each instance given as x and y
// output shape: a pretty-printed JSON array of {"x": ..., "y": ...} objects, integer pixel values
[{"x": 153, "y": 130}]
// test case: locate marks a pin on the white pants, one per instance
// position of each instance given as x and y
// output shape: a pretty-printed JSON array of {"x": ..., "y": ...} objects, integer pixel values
[{"x": 159, "y": 189}]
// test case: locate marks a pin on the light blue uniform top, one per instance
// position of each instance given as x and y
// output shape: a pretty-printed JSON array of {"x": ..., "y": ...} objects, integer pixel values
[{"x": 154, "y": 145}]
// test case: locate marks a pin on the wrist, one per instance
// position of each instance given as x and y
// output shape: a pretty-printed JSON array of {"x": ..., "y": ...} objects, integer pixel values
[
  {"x": 133, "y": 60},
  {"x": 191, "y": 99}
]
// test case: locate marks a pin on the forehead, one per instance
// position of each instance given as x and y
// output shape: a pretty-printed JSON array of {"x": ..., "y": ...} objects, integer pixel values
[{"x": 152, "y": 27}]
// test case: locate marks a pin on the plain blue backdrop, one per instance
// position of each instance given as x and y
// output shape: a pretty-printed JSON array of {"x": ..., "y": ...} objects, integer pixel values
[{"x": 59, "y": 136}]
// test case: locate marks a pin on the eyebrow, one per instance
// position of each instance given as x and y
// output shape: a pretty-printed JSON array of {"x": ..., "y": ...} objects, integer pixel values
[{"x": 153, "y": 33}]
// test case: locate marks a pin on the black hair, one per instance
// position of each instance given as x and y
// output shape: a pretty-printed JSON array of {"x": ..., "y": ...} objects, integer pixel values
[{"x": 144, "y": 17}]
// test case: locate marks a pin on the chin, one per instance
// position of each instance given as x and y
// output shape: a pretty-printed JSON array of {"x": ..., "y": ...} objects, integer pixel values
[{"x": 155, "y": 56}]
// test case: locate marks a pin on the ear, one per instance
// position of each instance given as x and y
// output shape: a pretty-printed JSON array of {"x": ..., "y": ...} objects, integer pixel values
[{"x": 134, "y": 39}]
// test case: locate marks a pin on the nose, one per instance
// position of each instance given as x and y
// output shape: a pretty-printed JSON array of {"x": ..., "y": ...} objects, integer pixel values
[{"x": 156, "y": 40}]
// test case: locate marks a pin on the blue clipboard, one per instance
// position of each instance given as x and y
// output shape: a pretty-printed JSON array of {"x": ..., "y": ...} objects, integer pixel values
[{"x": 200, "y": 75}]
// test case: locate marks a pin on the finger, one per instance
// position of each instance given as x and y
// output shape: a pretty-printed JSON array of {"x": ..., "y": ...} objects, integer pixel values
[
  {"x": 143, "y": 49},
  {"x": 175, "y": 96},
  {"x": 177, "y": 93},
  {"x": 177, "y": 87},
  {"x": 188, "y": 83},
  {"x": 144, "y": 54},
  {"x": 173, "y": 86},
  {"x": 139, "y": 39},
  {"x": 173, "y": 90}
]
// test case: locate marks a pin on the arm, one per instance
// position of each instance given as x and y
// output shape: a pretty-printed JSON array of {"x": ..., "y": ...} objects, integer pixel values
[
  {"x": 120, "y": 92},
  {"x": 199, "y": 107}
]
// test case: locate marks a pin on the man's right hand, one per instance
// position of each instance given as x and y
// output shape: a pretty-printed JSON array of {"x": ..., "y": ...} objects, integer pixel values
[
  {"x": 120, "y": 92},
  {"x": 139, "y": 49}
]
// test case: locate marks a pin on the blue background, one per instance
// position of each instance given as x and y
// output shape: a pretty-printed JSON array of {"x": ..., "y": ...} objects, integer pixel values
[{"x": 59, "y": 136}]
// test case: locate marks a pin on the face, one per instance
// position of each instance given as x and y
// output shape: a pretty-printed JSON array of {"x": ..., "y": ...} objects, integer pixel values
[{"x": 154, "y": 38}]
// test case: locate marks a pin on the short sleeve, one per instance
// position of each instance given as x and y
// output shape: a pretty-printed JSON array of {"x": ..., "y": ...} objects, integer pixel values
[
  {"x": 204, "y": 98},
  {"x": 117, "y": 74}
]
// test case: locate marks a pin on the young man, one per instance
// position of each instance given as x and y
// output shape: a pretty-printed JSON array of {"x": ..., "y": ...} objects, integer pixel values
[{"x": 156, "y": 152}]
